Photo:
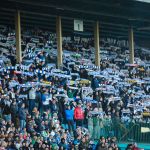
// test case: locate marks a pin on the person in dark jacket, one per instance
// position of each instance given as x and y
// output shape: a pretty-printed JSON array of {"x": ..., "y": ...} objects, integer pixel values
[
  {"x": 6, "y": 112},
  {"x": 22, "y": 116},
  {"x": 14, "y": 112},
  {"x": 63, "y": 145},
  {"x": 83, "y": 145},
  {"x": 54, "y": 107},
  {"x": 101, "y": 144},
  {"x": 38, "y": 102},
  {"x": 95, "y": 83}
]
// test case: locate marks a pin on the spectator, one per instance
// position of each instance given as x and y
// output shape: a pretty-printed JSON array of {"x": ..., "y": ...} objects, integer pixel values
[
  {"x": 32, "y": 98},
  {"x": 116, "y": 98},
  {"x": 83, "y": 145},
  {"x": 22, "y": 117},
  {"x": 69, "y": 118},
  {"x": 101, "y": 144},
  {"x": 46, "y": 97},
  {"x": 14, "y": 112},
  {"x": 79, "y": 115},
  {"x": 63, "y": 145}
]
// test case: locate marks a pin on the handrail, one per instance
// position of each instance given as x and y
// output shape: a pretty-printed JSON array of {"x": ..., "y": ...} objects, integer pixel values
[
  {"x": 128, "y": 132},
  {"x": 123, "y": 131}
]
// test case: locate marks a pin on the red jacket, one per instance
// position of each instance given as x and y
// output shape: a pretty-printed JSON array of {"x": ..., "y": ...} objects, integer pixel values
[
  {"x": 78, "y": 113},
  {"x": 135, "y": 148}
]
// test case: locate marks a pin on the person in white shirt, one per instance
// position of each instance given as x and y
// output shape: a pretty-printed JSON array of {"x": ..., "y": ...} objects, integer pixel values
[{"x": 32, "y": 97}]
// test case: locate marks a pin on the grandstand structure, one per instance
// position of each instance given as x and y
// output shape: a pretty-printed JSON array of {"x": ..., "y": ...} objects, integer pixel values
[
  {"x": 73, "y": 72},
  {"x": 113, "y": 18}
]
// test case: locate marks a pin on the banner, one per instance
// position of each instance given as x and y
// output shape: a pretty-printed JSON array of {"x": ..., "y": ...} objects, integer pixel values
[
  {"x": 145, "y": 129},
  {"x": 87, "y": 92},
  {"x": 78, "y": 25}
]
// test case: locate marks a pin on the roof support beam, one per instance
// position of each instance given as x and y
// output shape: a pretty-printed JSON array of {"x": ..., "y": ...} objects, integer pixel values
[
  {"x": 59, "y": 41},
  {"x": 96, "y": 44},
  {"x": 18, "y": 36},
  {"x": 131, "y": 46}
]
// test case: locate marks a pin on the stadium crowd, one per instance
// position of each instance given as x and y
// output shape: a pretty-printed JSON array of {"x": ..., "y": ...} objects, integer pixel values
[{"x": 44, "y": 108}]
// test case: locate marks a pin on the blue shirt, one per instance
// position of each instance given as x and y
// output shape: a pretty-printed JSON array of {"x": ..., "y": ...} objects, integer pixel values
[{"x": 69, "y": 114}]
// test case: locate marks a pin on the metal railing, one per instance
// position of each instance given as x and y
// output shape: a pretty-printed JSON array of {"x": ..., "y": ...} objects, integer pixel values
[{"x": 123, "y": 131}]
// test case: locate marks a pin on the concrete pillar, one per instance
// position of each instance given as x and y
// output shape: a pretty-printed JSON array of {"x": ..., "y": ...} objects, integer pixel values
[
  {"x": 131, "y": 46},
  {"x": 59, "y": 41},
  {"x": 96, "y": 44},
  {"x": 18, "y": 37}
]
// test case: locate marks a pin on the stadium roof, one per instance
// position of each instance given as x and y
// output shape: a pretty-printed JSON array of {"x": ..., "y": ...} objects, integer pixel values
[
  {"x": 147, "y": 1},
  {"x": 115, "y": 16}
]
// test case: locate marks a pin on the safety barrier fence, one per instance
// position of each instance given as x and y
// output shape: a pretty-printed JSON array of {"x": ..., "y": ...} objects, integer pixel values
[{"x": 133, "y": 131}]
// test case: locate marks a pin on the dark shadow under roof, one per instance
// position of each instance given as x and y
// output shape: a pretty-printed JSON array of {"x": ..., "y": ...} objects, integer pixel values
[{"x": 115, "y": 16}]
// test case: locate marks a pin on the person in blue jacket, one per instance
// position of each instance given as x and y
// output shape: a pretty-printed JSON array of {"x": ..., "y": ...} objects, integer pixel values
[
  {"x": 69, "y": 114},
  {"x": 95, "y": 83},
  {"x": 46, "y": 97}
]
